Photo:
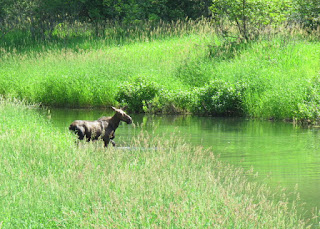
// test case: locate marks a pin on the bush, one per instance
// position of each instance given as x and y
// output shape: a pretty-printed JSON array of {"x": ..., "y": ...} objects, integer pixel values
[
  {"x": 137, "y": 95},
  {"x": 309, "y": 109},
  {"x": 217, "y": 98},
  {"x": 306, "y": 13},
  {"x": 168, "y": 102},
  {"x": 143, "y": 96},
  {"x": 220, "y": 98},
  {"x": 249, "y": 17}
]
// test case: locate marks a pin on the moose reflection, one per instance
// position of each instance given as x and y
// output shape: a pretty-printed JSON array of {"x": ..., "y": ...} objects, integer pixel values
[{"x": 104, "y": 128}]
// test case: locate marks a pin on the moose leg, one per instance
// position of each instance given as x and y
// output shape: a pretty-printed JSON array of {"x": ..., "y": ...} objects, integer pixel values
[
  {"x": 80, "y": 132},
  {"x": 112, "y": 136},
  {"x": 106, "y": 142},
  {"x": 80, "y": 136}
]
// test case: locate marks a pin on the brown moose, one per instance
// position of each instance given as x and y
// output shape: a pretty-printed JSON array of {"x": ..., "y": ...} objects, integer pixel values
[{"x": 103, "y": 128}]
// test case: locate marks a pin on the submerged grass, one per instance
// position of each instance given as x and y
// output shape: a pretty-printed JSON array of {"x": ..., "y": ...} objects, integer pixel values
[
  {"x": 49, "y": 182},
  {"x": 276, "y": 76}
]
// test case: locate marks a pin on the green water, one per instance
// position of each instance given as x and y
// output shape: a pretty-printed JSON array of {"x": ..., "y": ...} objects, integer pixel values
[{"x": 283, "y": 155}]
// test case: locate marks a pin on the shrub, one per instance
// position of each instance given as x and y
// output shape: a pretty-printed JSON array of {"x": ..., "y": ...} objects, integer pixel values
[
  {"x": 169, "y": 102},
  {"x": 143, "y": 96},
  {"x": 309, "y": 109},
  {"x": 217, "y": 98},
  {"x": 249, "y": 17},
  {"x": 137, "y": 95},
  {"x": 220, "y": 98},
  {"x": 306, "y": 13}
]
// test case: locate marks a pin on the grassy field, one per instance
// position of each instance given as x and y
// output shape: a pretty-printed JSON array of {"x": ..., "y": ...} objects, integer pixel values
[
  {"x": 48, "y": 182},
  {"x": 181, "y": 68}
]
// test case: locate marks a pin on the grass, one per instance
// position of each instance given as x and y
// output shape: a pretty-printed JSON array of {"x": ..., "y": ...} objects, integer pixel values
[
  {"x": 89, "y": 78},
  {"x": 274, "y": 77},
  {"x": 49, "y": 182}
]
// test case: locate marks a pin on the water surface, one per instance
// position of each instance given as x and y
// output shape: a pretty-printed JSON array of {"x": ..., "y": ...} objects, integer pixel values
[{"x": 282, "y": 154}]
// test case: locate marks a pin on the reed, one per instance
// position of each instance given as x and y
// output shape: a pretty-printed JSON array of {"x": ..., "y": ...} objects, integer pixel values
[{"x": 159, "y": 182}]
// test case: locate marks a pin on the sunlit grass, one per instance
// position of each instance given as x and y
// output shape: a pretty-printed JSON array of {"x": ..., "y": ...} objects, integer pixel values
[
  {"x": 277, "y": 74},
  {"x": 47, "y": 181},
  {"x": 91, "y": 78}
]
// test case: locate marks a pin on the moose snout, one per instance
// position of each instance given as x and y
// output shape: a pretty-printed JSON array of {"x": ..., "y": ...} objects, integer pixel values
[{"x": 129, "y": 121}]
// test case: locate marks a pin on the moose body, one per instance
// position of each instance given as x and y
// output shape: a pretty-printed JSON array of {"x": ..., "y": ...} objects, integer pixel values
[{"x": 104, "y": 128}]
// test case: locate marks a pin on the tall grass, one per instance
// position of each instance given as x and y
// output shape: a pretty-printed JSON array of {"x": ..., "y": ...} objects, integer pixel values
[
  {"x": 186, "y": 63},
  {"x": 47, "y": 181},
  {"x": 90, "y": 78},
  {"x": 82, "y": 35}
]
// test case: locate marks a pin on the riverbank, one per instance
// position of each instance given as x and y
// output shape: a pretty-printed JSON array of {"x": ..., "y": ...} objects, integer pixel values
[
  {"x": 49, "y": 182},
  {"x": 187, "y": 70}
]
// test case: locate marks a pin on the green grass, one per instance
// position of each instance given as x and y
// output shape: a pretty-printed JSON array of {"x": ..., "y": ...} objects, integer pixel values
[
  {"x": 276, "y": 76},
  {"x": 90, "y": 78},
  {"x": 47, "y": 181}
]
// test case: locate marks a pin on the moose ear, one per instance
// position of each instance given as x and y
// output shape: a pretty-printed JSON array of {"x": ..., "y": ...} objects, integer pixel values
[{"x": 124, "y": 108}]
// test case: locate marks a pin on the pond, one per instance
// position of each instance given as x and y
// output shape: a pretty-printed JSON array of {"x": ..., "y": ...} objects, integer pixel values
[{"x": 282, "y": 154}]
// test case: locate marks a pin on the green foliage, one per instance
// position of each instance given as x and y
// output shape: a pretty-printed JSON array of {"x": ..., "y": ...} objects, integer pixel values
[
  {"x": 266, "y": 78},
  {"x": 40, "y": 18},
  {"x": 143, "y": 95},
  {"x": 249, "y": 16},
  {"x": 171, "y": 102},
  {"x": 137, "y": 95},
  {"x": 220, "y": 98},
  {"x": 309, "y": 109},
  {"x": 306, "y": 13}
]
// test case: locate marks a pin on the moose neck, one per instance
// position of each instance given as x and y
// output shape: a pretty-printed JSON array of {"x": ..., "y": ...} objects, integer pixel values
[{"x": 114, "y": 121}]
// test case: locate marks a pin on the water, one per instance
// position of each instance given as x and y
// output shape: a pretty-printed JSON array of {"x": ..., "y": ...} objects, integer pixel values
[{"x": 283, "y": 155}]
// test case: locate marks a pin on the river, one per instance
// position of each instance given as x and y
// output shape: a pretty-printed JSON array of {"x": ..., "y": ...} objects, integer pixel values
[{"x": 283, "y": 155}]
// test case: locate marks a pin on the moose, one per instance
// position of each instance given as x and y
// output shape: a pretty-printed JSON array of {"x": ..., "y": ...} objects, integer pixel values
[{"x": 104, "y": 128}]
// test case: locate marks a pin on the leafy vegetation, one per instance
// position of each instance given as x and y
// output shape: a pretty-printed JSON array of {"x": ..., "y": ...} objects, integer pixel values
[
  {"x": 137, "y": 95},
  {"x": 220, "y": 98},
  {"x": 255, "y": 58},
  {"x": 186, "y": 70},
  {"x": 49, "y": 182},
  {"x": 250, "y": 17},
  {"x": 37, "y": 21},
  {"x": 306, "y": 13}
]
